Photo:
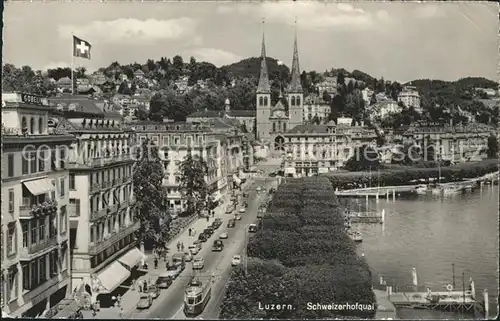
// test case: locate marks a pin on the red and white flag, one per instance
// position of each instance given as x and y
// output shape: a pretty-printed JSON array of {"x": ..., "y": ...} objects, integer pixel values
[{"x": 81, "y": 48}]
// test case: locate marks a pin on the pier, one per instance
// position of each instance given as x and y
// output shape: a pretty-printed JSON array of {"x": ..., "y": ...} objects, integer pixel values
[
  {"x": 366, "y": 217},
  {"x": 377, "y": 192}
]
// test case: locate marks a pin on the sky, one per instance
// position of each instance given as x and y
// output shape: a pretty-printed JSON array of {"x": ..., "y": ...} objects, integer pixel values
[{"x": 397, "y": 41}]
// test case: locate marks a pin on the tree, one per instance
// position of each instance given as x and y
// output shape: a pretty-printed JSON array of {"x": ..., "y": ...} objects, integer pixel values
[
  {"x": 193, "y": 185},
  {"x": 133, "y": 88},
  {"x": 243, "y": 128},
  {"x": 341, "y": 79},
  {"x": 122, "y": 88},
  {"x": 365, "y": 157},
  {"x": 492, "y": 146},
  {"x": 315, "y": 120},
  {"x": 373, "y": 99},
  {"x": 151, "y": 198},
  {"x": 327, "y": 97}
]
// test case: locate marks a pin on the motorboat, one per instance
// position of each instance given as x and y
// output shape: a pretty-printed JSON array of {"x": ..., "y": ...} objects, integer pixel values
[
  {"x": 437, "y": 190},
  {"x": 422, "y": 190},
  {"x": 452, "y": 190},
  {"x": 355, "y": 236}
]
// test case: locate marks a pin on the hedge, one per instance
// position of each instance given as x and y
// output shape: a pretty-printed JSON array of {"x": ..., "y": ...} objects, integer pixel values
[
  {"x": 302, "y": 254},
  {"x": 404, "y": 176}
]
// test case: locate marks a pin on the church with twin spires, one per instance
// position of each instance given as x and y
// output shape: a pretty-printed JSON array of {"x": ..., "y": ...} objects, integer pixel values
[{"x": 274, "y": 121}]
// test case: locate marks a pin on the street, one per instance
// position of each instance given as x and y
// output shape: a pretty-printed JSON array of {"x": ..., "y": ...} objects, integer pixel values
[{"x": 170, "y": 303}]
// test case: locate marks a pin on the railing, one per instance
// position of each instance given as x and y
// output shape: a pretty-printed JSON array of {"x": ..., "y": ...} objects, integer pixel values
[
  {"x": 96, "y": 187},
  {"x": 112, "y": 208},
  {"x": 104, "y": 244},
  {"x": 25, "y": 211},
  {"x": 106, "y": 184},
  {"x": 28, "y": 252},
  {"x": 72, "y": 212},
  {"x": 98, "y": 214},
  {"x": 105, "y": 160}
]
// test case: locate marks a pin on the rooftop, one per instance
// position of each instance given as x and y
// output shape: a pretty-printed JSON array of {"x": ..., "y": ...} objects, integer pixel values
[
  {"x": 309, "y": 129},
  {"x": 204, "y": 114},
  {"x": 241, "y": 113}
]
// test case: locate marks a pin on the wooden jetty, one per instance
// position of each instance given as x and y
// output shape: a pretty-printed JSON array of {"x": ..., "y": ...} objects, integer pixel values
[
  {"x": 366, "y": 217},
  {"x": 377, "y": 191}
]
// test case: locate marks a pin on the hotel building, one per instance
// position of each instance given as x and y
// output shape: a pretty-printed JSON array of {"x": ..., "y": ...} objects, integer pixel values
[
  {"x": 101, "y": 200},
  {"x": 35, "y": 207}
]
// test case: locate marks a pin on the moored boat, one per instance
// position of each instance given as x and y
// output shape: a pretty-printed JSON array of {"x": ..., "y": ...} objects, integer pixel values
[{"x": 452, "y": 190}]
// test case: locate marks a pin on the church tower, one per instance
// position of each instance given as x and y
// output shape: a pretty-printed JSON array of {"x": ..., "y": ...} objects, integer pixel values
[
  {"x": 295, "y": 92},
  {"x": 263, "y": 97}
]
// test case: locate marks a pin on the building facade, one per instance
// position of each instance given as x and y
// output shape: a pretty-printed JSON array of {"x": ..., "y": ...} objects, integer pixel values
[
  {"x": 274, "y": 121},
  {"x": 315, "y": 106},
  {"x": 35, "y": 225},
  {"x": 410, "y": 98},
  {"x": 101, "y": 202},
  {"x": 174, "y": 141}
]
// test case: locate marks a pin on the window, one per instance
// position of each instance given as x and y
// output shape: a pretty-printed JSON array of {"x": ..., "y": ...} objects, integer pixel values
[
  {"x": 63, "y": 224},
  {"x": 52, "y": 226},
  {"x": 34, "y": 273},
  {"x": 166, "y": 141},
  {"x": 274, "y": 127},
  {"x": 26, "y": 277},
  {"x": 42, "y": 264},
  {"x": 12, "y": 285},
  {"x": 177, "y": 140},
  {"x": 64, "y": 259},
  {"x": 53, "y": 263},
  {"x": 11, "y": 200},
  {"x": 71, "y": 182},
  {"x": 62, "y": 157},
  {"x": 189, "y": 141},
  {"x": 26, "y": 229},
  {"x": 33, "y": 233},
  {"x": 10, "y": 167},
  {"x": 11, "y": 239},
  {"x": 24, "y": 163},
  {"x": 75, "y": 202},
  {"x": 62, "y": 187},
  {"x": 41, "y": 229},
  {"x": 92, "y": 234},
  {"x": 53, "y": 193},
  {"x": 33, "y": 162},
  {"x": 41, "y": 161}
]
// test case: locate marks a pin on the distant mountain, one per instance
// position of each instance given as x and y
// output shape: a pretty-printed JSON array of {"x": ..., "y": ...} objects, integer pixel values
[{"x": 250, "y": 68}]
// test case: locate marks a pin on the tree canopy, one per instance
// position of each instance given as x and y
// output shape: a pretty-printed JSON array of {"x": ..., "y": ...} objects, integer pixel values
[{"x": 193, "y": 184}]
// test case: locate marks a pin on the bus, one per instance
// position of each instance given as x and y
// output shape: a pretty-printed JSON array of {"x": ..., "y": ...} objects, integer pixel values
[{"x": 196, "y": 296}]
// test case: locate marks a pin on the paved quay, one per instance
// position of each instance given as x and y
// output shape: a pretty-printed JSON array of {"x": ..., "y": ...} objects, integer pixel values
[{"x": 385, "y": 309}]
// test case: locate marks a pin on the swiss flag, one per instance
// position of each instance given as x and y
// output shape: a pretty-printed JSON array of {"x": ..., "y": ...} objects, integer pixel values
[{"x": 81, "y": 48}]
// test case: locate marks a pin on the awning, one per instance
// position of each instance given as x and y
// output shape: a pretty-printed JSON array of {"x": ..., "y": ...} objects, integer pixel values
[
  {"x": 132, "y": 258},
  {"x": 112, "y": 277},
  {"x": 39, "y": 186}
]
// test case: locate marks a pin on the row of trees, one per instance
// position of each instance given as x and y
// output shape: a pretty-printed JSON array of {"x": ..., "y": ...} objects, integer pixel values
[
  {"x": 152, "y": 204},
  {"x": 301, "y": 254}
]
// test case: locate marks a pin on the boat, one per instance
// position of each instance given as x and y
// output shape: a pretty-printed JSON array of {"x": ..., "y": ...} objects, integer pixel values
[
  {"x": 452, "y": 190},
  {"x": 422, "y": 190},
  {"x": 437, "y": 190},
  {"x": 355, "y": 236}
]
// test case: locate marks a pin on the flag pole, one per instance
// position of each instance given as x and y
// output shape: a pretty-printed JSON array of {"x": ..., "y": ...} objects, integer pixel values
[{"x": 72, "y": 62}]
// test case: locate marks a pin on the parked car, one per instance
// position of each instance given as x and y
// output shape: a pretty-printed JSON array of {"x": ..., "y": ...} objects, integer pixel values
[
  {"x": 164, "y": 280},
  {"x": 179, "y": 260},
  {"x": 241, "y": 210},
  {"x": 195, "y": 248},
  {"x": 237, "y": 216},
  {"x": 173, "y": 271},
  {"x": 202, "y": 237},
  {"x": 245, "y": 194},
  {"x": 223, "y": 235},
  {"x": 258, "y": 189},
  {"x": 252, "y": 228},
  {"x": 218, "y": 221},
  {"x": 209, "y": 231},
  {"x": 145, "y": 302},
  {"x": 154, "y": 291},
  {"x": 188, "y": 256},
  {"x": 198, "y": 263},
  {"x": 236, "y": 260},
  {"x": 231, "y": 223}
]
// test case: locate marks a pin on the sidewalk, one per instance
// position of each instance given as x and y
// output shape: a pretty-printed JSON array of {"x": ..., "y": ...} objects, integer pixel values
[{"x": 131, "y": 297}]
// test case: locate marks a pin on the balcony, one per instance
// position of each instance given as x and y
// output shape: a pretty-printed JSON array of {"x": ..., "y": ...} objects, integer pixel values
[
  {"x": 106, "y": 185},
  {"x": 72, "y": 212},
  {"x": 106, "y": 160},
  {"x": 37, "y": 210},
  {"x": 104, "y": 244},
  {"x": 94, "y": 188},
  {"x": 98, "y": 214},
  {"x": 32, "y": 251}
]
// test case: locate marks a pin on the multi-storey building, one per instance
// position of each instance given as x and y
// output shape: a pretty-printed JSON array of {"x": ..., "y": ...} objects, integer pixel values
[
  {"x": 245, "y": 117},
  {"x": 384, "y": 109},
  {"x": 35, "y": 208},
  {"x": 101, "y": 200},
  {"x": 274, "y": 121},
  {"x": 329, "y": 85},
  {"x": 174, "y": 140},
  {"x": 410, "y": 98},
  {"x": 451, "y": 143},
  {"x": 313, "y": 149},
  {"x": 314, "y": 105}
]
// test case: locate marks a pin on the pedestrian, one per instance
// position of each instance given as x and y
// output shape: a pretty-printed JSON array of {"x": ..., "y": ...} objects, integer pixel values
[
  {"x": 121, "y": 312},
  {"x": 178, "y": 246},
  {"x": 189, "y": 231},
  {"x": 145, "y": 286},
  {"x": 156, "y": 262},
  {"x": 182, "y": 246},
  {"x": 208, "y": 218},
  {"x": 140, "y": 286}
]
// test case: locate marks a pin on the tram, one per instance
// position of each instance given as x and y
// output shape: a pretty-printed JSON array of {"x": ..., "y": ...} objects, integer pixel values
[{"x": 196, "y": 296}]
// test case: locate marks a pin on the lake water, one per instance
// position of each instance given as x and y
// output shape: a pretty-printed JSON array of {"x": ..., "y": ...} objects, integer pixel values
[{"x": 430, "y": 234}]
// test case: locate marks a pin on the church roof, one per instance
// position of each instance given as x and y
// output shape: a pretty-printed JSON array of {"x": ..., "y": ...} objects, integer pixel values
[
  {"x": 279, "y": 106},
  {"x": 295, "y": 85},
  {"x": 263, "y": 86},
  {"x": 309, "y": 129},
  {"x": 204, "y": 114},
  {"x": 241, "y": 113}
]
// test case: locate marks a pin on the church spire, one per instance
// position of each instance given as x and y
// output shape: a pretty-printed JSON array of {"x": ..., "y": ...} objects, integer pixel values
[
  {"x": 263, "y": 86},
  {"x": 295, "y": 85}
]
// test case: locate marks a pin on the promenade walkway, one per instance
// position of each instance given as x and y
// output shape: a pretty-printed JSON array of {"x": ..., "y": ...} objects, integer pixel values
[
  {"x": 385, "y": 309},
  {"x": 130, "y": 298}
]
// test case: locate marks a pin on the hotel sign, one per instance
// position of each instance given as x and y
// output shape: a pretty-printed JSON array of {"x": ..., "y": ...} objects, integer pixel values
[{"x": 32, "y": 99}]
